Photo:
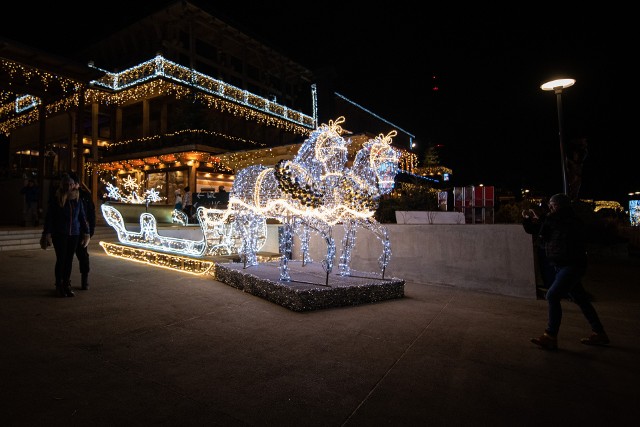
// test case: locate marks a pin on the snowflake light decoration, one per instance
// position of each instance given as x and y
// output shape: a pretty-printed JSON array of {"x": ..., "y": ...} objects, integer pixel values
[{"x": 133, "y": 192}]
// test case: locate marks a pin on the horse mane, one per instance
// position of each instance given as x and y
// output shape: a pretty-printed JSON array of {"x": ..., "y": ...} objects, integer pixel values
[
  {"x": 362, "y": 174},
  {"x": 325, "y": 137}
]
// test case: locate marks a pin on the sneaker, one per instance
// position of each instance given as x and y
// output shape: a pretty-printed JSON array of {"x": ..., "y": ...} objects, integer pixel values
[
  {"x": 546, "y": 341},
  {"x": 596, "y": 339}
]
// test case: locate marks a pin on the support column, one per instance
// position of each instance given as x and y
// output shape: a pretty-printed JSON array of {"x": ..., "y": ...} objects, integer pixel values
[
  {"x": 164, "y": 114},
  {"x": 93, "y": 184},
  {"x": 145, "y": 118},
  {"x": 118, "y": 136},
  {"x": 80, "y": 135},
  {"x": 42, "y": 148},
  {"x": 68, "y": 164}
]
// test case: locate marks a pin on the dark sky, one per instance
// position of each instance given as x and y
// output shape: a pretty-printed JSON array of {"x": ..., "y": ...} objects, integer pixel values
[{"x": 496, "y": 126}]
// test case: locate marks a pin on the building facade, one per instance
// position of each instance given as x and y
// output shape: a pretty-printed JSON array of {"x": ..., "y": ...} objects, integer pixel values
[{"x": 196, "y": 100}]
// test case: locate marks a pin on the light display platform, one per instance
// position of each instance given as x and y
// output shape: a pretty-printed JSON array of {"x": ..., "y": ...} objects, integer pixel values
[{"x": 309, "y": 288}]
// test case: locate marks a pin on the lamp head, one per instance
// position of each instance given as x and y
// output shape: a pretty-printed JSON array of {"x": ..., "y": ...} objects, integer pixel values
[{"x": 558, "y": 84}]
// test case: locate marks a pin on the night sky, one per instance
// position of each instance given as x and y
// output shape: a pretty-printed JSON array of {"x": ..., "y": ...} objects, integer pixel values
[{"x": 494, "y": 123}]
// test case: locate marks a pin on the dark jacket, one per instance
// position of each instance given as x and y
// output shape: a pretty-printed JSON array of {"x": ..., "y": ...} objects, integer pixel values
[
  {"x": 67, "y": 220},
  {"x": 563, "y": 235},
  {"x": 31, "y": 194},
  {"x": 89, "y": 209}
]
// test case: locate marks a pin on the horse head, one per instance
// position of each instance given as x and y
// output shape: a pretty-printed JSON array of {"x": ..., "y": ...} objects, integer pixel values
[
  {"x": 324, "y": 154},
  {"x": 383, "y": 161}
]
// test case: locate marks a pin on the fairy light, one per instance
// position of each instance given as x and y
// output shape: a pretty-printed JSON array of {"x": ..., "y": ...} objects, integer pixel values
[
  {"x": 148, "y": 236},
  {"x": 149, "y": 78},
  {"x": 25, "y": 102},
  {"x": 220, "y": 234},
  {"x": 634, "y": 213},
  {"x": 131, "y": 191},
  {"x": 158, "y": 259},
  {"x": 159, "y": 67},
  {"x": 605, "y": 204}
]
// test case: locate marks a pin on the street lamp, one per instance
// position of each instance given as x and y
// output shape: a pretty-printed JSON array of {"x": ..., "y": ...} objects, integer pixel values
[{"x": 557, "y": 85}]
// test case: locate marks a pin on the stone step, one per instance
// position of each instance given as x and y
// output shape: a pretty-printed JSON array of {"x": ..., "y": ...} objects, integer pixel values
[{"x": 13, "y": 239}]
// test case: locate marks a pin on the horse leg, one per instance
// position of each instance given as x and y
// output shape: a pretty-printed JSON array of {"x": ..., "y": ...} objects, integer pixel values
[
  {"x": 327, "y": 263},
  {"x": 247, "y": 249},
  {"x": 302, "y": 230},
  {"x": 385, "y": 257},
  {"x": 286, "y": 243},
  {"x": 348, "y": 242},
  {"x": 382, "y": 234}
]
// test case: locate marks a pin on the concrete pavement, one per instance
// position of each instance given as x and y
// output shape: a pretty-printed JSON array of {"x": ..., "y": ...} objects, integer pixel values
[{"x": 148, "y": 346}]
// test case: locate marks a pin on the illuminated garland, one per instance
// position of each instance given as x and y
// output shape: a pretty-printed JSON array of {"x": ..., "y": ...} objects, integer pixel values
[
  {"x": 159, "y": 67},
  {"x": 159, "y": 259},
  {"x": 150, "y": 78},
  {"x": 634, "y": 212}
]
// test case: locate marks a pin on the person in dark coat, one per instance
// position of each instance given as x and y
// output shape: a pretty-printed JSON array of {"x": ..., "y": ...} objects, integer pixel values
[
  {"x": 65, "y": 225},
  {"x": 222, "y": 196},
  {"x": 31, "y": 194},
  {"x": 563, "y": 235},
  {"x": 82, "y": 251}
]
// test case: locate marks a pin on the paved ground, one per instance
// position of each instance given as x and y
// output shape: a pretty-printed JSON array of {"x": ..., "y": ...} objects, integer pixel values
[{"x": 147, "y": 346}]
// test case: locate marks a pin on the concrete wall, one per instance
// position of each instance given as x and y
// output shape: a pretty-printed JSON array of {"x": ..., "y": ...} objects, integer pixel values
[
  {"x": 493, "y": 258},
  {"x": 429, "y": 217}
]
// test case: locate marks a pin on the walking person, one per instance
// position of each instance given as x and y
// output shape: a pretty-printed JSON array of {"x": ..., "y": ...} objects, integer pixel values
[
  {"x": 82, "y": 251},
  {"x": 178, "y": 201},
  {"x": 65, "y": 227},
  {"x": 563, "y": 236},
  {"x": 222, "y": 196},
  {"x": 187, "y": 203},
  {"x": 31, "y": 194}
]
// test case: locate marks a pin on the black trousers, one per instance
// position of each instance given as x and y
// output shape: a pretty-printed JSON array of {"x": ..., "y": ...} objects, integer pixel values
[
  {"x": 83, "y": 258},
  {"x": 65, "y": 247}
]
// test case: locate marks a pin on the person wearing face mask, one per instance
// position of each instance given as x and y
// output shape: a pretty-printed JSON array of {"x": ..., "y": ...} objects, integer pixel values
[{"x": 65, "y": 226}]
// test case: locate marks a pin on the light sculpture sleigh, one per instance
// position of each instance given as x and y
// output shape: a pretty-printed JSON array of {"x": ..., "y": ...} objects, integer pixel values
[{"x": 310, "y": 193}]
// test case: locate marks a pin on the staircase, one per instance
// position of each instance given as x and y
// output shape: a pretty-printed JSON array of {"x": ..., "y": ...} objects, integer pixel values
[{"x": 24, "y": 238}]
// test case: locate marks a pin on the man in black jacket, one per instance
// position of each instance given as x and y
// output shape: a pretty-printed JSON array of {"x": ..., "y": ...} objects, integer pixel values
[
  {"x": 90, "y": 210},
  {"x": 563, "y": 236}
]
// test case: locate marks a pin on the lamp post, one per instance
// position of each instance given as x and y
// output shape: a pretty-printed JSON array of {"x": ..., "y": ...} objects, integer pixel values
[{"x": 557, "y": 86}]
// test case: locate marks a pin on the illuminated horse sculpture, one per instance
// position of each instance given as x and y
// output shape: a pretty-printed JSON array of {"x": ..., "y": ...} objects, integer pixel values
[
  {"x": 358, "y": 195},
  {"x": 292, "y": 192},
  {"x": 317, "y": 197},
  {"x": 355, "y": 198}
]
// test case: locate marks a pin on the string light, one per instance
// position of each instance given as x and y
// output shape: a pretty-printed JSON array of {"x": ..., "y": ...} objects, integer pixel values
[
  {"x": 149, "y": 78},
  {"x": 161, "y": 68},
  {"x": 128, "y": 190},
  {"x": 159, "y": 259}
]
